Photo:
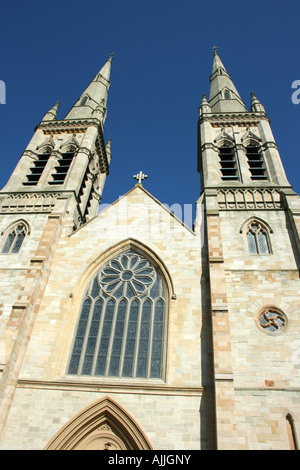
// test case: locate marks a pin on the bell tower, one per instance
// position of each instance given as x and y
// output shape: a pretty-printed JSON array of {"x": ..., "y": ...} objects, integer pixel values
[
  {"x": 252, "y": 219},
  {"x": 55, "y": 188},
  {"x": 65, "y": 158}
]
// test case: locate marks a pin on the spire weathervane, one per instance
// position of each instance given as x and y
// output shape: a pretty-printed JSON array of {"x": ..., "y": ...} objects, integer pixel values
[
  {"x": 215, "y": 49},
  {"x": 140, "y": 176}
]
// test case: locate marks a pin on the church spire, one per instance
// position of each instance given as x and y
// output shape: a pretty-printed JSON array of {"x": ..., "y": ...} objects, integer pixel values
[
  {"x": 223, "y": 97},
  {"x": 94, "y": 96}
]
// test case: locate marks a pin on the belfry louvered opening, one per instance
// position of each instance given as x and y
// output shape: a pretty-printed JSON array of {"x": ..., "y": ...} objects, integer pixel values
[
  {"x": 120, "y": 331},
  {"x": 228, "y": 163},
  {"x": 37, "y": 169},
  {"x": 256, "y": 163},
  {"x": 62, "y": 168}
]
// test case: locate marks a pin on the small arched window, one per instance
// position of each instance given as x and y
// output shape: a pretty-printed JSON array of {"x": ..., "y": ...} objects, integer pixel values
[
  {"x": 227, "y": 95},
  {"x": 258, "y": 239},
  {"x": 83, "y": 101},
  {"x": 15, "y": 238},
  {"x": 121, "y": 324}
]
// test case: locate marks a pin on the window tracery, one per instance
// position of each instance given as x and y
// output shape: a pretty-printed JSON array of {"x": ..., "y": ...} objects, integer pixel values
[
  {"x": 15, "y": 238},
  {"x": 272, "y": 320},
  {"x": 121, "y": 324},
  {"x": 258, "y": 239}
]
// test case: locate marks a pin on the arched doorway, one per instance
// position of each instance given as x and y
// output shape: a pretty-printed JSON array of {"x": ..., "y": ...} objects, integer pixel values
[{"x": 104, "y": 425}]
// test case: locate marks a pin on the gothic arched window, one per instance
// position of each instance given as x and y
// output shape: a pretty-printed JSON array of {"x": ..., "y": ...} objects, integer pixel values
[
  {"x": 258, "y": 239},
  {"x": 120, "y": 330},
  {"x": 227, "y": 95},
  {"x": 15, "y": 238}
]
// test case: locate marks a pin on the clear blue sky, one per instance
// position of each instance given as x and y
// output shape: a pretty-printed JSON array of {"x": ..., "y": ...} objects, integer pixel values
[{"x": 163, "y": 58}]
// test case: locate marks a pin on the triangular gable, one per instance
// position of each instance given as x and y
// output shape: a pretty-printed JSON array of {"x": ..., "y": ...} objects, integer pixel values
[{"x": 129, "y": 194}]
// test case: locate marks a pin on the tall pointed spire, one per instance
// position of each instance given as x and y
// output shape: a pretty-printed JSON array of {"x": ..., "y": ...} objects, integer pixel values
[
  {"x": 94, "y": 96},
  {"x": 223, "y": 96}
]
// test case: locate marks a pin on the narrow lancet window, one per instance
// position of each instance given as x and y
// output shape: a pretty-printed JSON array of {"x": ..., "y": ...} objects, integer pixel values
[
  {"x": 258, "y": 239},
  {"x": 120, "y": 332}
]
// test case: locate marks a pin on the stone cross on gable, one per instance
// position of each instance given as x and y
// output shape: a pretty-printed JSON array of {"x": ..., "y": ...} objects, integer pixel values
[{"x": 140, "y": 176}]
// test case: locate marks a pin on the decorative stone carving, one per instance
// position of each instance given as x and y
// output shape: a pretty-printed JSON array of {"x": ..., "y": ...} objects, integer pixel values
[
  {"x": 249, "y": 198},
  {"x": 47, "y": 145},
  {"x": 250, "y": 135},
  {"x": 71, "y": 143},
  {"x": 224, "y": 135},
  {"x": 102, "y": 439},
  {"x": 28, "y": 203}
]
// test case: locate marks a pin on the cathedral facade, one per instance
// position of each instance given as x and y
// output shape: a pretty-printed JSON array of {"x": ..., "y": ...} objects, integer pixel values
[{"x": 127, "y": 330}]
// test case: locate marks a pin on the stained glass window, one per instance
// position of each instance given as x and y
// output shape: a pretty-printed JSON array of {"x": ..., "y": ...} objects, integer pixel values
[
  {"x": 15, "y": 239},
  {"x": 120, "y": 330},
  {"x": 257, "y": 238}
]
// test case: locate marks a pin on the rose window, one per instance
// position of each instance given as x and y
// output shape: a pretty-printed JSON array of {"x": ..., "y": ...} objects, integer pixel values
[
  {"x": 272, "y": 320},
  {"x": 129, "y": 272}
]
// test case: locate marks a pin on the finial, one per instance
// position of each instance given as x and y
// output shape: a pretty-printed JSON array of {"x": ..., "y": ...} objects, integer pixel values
[
  {"x": 140, "y": 176},
  {"x": 215, "y": 49}
]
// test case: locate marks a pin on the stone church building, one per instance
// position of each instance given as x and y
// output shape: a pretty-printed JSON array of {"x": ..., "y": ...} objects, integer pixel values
[{"x": 126, "y": 329}]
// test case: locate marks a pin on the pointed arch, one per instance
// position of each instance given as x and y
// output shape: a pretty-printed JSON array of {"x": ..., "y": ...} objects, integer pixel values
[
  {"x": 123, "y": 305},
  {"x": 253, "y": 219},
  {"x": 14, "y": 236},
  {"x": 258, "y": 236},
  {"x": 102, "y": 425},
  {"x": 227, "y": 94},
  {"x": 139, "y": 247}
]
